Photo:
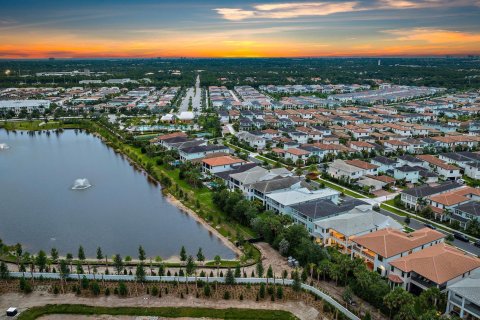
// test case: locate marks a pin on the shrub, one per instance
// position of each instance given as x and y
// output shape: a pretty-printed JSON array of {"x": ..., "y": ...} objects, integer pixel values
[
  {"x": 154, "y": 291},
  {"x": 270, "y": 290},
  {"x": 95, "y": 288},
  {"x": 261, "y": 292},
  {"x": 55, "y": 290},
  {"x": 122, "y": 289},
  {"x": 206, "y": 290},
  {"x": 107, "y": 292},
  {"x": 279, "y": 292},
  {"x": 241, "y": 297},
  {"x": 226, "y": 295}
]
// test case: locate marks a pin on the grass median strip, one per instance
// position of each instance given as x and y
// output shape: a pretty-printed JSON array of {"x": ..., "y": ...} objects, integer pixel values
[{"x": 168, "y": 312}]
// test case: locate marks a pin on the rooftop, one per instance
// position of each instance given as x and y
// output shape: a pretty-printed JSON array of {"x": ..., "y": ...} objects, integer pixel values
[
  {"x": 438, "y": 263},
  {"x": 222, "y": 161},
  {"x": 390, "y": 242}
]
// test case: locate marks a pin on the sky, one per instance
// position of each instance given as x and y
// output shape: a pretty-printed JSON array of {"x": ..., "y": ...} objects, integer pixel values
[{"x": 221, "y": 28}]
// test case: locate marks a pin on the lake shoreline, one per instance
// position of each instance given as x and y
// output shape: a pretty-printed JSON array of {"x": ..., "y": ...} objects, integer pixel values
[{"x": 180, "y": 205}]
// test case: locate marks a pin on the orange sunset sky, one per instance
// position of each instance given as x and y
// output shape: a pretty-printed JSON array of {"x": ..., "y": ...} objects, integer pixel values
[{"x": 144, "y": 28}]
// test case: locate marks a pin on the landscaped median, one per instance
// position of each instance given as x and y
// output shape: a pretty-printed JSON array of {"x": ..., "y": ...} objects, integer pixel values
[{"x": 167, "y": 312}]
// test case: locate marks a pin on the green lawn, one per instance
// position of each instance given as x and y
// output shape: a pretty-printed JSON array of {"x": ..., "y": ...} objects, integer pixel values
[
  {"x": 34, "y": 125},
  {"x": 341, "y": 189},
  {"x": 167, "y": 312}
]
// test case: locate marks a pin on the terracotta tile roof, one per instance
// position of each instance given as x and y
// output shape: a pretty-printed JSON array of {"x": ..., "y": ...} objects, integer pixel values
[
  {"x": 394, "y": 278},
  {"x": 390, "y": 242},
  {"x": 361, "y": 164},
  {"x": 297, "y": 152},
  {"x": 437, "y": 162},
  {"x": 385, "y": 179},
  {"x": 455, "y": 196},
  {"x": 171, "y": 135},
  {"x": 222, "y": 161},
  {"x": 362, "y": 144},
  {"x": 438, "y": 263}
]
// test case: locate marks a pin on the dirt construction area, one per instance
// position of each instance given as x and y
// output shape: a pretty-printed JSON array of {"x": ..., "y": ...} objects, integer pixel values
[{"x": 23, "y": 302}]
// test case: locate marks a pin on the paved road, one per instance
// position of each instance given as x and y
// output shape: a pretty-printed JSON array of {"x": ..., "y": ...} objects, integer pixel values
[
  {"x": 288, "y": 282},
  {"x": 196, "y": 96}
]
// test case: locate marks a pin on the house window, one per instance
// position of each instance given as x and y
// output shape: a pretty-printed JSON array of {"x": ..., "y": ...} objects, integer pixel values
[{"x": 380, "y": 258}]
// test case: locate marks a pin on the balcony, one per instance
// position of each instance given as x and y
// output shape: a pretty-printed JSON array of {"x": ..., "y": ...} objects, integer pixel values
[{"x": 422, "y": 282}]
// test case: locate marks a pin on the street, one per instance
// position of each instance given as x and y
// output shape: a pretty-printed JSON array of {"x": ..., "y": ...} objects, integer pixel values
[{"x": 196, "y": 95}]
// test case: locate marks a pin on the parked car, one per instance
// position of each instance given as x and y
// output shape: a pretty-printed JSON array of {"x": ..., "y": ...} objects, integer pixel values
[
  {"x": 431, "y": 226},
  {"x": 461, "y": 237}
]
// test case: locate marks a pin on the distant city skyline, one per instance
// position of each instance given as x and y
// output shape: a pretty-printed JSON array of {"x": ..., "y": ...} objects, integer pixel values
[{"x": 148, "y": 28}]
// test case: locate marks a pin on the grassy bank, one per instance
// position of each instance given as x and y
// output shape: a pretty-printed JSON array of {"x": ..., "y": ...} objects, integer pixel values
[{"x": 167, "y": 312}]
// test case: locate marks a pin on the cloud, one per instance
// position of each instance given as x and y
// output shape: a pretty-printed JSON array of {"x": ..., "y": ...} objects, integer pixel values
[
  {"x": 323, "y": 8},
  {"x": 287, "y": 10},
  {"x": 434, "y": 36}
]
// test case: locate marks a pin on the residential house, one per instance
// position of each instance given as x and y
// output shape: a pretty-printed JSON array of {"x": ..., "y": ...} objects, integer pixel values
[
  {"x": 438, "y": 266},
  {"x": 412, "y": 198},
  {"x": 340, "y": 230},
  {"x": 444, "y": 169},
  {"x": 197, "y": 152},
  {"x": 380, "y": 248},
  {"x": 220, "y": 164},
  {"x": 464, "y": 297}
]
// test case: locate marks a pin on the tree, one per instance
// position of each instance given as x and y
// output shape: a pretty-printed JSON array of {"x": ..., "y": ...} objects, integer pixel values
[
  {"x": 269, "y": 272},
  {"x": 261, "y": 292},
  {"x": 260, "y": 269},
  {"x": 18, "y": 252},
  {"x": 82, "y": 257},
  {"x": 283, "y": 247},
  {"x": 238, "y": 272},
  {"x": 64, "y": 270},
  {"x": 406, "y": 312},
  {"x": 347, "y": 295},
  {"x": 279, "y": 292},
  {"x": 4, "y": 273},
  {"x": 229, "y": 277},
  {"x": 429, "y": 298},
  {"x": 397, "y": 298},
  {"x": 118, "y": 263},
  {"x": 206, "y": 290},
  {"x": 190, "y": 266},
  {"x": 99, "y": 254},
  {"x": 140, "y": 272},
  {"x": 200, "y": 256},
  {"x": 54, "y": 255},
  {"x": 41, "y": 260},
  {"x": 141, "y": 254},
  {"x": 70, "y": 259},
  {"x": 296, "y": 285},
  {"x": 183, "y": 254},
  {"x": 218, "y": 261}
]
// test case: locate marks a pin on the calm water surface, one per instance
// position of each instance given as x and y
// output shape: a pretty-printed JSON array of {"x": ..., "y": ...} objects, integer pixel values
[{"x": 118, "y": 213}]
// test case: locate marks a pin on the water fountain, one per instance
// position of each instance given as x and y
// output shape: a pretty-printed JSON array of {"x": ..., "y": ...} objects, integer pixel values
[
  {"x": 4, "y": 146},
  {"x": 81, "y": 184}
]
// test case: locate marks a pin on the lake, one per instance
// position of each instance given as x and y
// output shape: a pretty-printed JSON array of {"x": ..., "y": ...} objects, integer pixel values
[{"x": 121, "y": 211}]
